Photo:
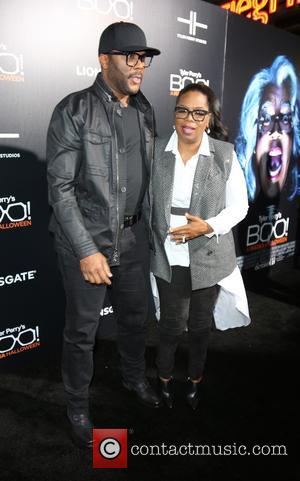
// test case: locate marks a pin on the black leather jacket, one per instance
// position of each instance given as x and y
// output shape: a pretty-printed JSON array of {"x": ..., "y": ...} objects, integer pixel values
[{"x": 86, "y": 169}]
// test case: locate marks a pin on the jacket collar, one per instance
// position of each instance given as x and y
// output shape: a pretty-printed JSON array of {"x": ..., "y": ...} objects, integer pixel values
[
  {"x": 105, "y": 92},
  {"x": 204, "y": 165},
  {"x": 211, "y": 144},
  {"x": 205, "y": 148}
]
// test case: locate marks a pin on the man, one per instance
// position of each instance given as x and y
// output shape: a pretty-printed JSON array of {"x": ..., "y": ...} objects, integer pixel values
[{"x": 99, "y": 152}]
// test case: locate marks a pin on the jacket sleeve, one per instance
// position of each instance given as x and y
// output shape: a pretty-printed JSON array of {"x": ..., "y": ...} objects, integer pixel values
[{"x": 64, "y": 157}]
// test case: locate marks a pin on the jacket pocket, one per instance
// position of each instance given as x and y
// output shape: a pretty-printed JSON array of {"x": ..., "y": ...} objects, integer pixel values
[
  {"x": 93, "y": 212},
  {"x": 97, "y": 151}
]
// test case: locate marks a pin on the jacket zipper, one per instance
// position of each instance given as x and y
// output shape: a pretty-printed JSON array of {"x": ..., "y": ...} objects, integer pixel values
[{"x": 115, "y": 257}]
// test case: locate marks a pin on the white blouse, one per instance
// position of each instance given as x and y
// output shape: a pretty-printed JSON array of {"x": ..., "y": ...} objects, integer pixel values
[{"x": 231, "y": 308}]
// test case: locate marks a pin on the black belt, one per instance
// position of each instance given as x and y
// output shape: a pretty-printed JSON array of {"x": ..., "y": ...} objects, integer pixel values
[
  {"x": 129, "y": 220},
  {"x": 179, "y": 210}
]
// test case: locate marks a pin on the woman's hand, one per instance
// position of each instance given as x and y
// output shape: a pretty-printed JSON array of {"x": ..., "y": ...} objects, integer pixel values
[{"x": 194, "y": 228}]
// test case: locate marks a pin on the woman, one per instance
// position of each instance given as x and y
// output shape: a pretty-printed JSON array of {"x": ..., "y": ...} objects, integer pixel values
[{"x": 199, "y": 194}]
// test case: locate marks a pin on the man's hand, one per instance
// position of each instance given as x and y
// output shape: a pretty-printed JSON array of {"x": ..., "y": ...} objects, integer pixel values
[
  {"x": 95, "y": 269},
  {"x": 194, "y": 228}
]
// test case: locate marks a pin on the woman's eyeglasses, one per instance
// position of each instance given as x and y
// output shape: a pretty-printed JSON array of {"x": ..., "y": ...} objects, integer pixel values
[{"x": 198, "y": 115}]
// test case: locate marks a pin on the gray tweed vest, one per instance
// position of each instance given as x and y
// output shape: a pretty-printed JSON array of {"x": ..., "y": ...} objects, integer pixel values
[{"x": 210, "y": 259}]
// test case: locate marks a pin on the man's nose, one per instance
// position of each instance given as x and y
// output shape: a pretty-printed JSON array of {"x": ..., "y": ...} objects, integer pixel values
[{"x": 140, "y": 64}]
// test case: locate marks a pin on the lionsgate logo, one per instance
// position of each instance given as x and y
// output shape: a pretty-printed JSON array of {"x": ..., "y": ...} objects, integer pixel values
[
  {"x": 15, "y": 340},
  {"x": 20, "y": 277},
  {"x": 105, "y": 311},
  {"x": 193, "y": 28},
  {"x": 86, "y": 71},
  {"x": 121, "y": 9},
  {"x": 185, "y": 77},
  {"x": 11, "y": 65},
  {"x": 13, "y": 214}
]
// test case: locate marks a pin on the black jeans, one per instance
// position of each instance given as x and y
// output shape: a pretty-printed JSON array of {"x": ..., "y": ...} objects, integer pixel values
[
  {"x": 130, "y": 299},
  {"x": 181, "y": 307}
]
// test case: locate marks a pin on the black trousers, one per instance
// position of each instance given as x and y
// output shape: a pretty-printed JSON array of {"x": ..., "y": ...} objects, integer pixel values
[
  {"x": 181, "y": 307},
  {"x": 129, "y": 297}
]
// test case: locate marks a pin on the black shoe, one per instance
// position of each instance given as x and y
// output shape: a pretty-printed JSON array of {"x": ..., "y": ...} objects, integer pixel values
[
  {"x": 166, "y": 391},
  {"x": 144, "y": 393},
  {"x": 82, "y": 426},
  {"x": 193, "y": 393}
]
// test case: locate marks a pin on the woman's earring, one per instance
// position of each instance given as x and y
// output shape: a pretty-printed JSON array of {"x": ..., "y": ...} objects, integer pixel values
[{"x": 208, "y": 130}]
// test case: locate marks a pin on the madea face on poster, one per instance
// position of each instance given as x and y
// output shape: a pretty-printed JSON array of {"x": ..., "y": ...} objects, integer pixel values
[{"x": 268, "y": 149}]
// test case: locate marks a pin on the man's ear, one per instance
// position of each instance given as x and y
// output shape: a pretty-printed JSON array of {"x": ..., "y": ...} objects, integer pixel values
[{"x": 104, "y": 61}]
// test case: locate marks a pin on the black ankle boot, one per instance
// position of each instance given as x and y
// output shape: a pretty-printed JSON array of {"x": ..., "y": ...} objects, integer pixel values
[
  {"x": 193, "y": 393},
  {"x": 166, "y": 391}
]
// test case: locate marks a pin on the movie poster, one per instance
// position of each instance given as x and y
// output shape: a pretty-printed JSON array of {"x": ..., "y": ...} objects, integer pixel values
[{"x": 261, "y": 107}]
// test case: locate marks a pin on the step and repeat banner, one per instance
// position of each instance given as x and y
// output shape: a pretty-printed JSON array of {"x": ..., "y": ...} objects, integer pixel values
[{"x": 49, "y": 49}]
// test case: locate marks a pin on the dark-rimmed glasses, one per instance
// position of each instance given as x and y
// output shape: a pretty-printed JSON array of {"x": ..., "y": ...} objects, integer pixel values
[
  {"x": 133, "y": 58},
  {"x": 198, "y": 115},
  {"x": 266, "y": 123}
]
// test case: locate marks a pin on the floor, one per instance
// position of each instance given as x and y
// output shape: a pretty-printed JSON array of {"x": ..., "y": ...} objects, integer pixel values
[{"x": 249, "y": 399}]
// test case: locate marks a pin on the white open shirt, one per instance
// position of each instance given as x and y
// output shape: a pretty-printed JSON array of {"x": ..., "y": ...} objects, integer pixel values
[{"x": 231, "y": 308}]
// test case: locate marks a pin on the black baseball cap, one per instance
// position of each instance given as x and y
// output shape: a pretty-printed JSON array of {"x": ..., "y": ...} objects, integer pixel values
[{"x": 125, "y": 37}]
